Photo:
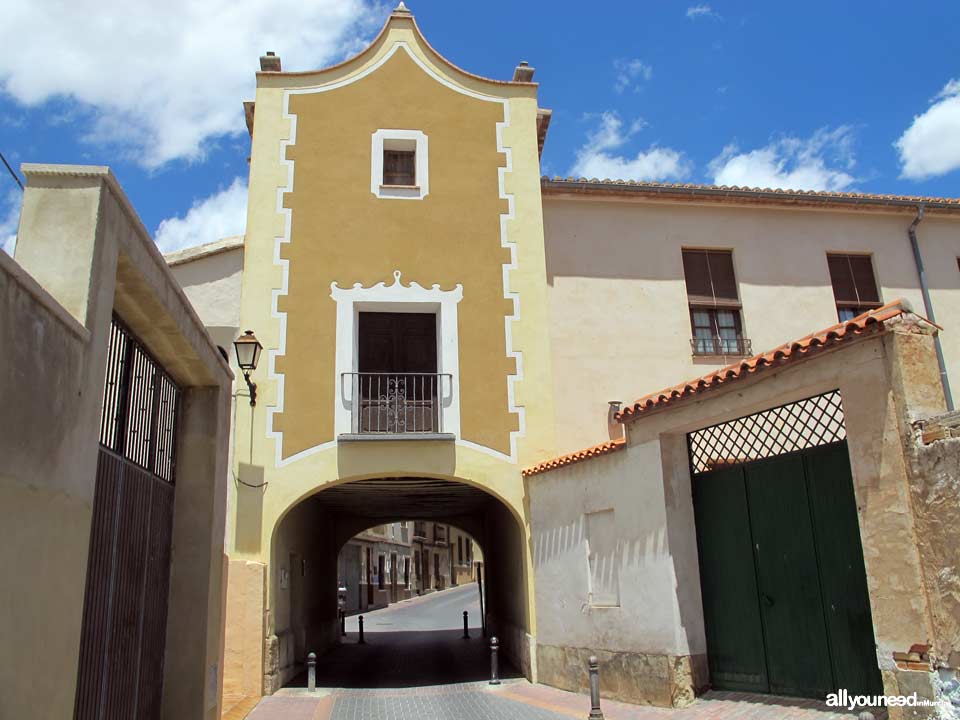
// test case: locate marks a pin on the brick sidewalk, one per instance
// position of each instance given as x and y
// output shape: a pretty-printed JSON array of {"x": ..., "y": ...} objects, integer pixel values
[{"x": 521, "y": 700}]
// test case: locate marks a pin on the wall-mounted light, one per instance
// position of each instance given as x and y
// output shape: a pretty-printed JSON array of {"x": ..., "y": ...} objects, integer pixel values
[{"x": 248, "y": 355}]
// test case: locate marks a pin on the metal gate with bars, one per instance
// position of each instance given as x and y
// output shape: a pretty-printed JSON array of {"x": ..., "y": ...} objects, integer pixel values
[
  {"x": 785, "y": 599},
  {"x": 128, "y": 569}
]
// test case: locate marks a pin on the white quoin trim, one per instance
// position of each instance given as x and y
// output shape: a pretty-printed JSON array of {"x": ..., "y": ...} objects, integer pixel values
[
  {"x": 397, "y": 298},
  {"x": 283, "y": 264},
  {"x": 413, "y": 138}
]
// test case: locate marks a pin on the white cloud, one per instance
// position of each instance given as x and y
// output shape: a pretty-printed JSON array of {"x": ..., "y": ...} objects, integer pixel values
[
  {"x": 931, "y": 145},
  {"x": 594, "y": 159},
  {"x": 164, "y": 80},
  {"x": 629, "y": 72},
  {"x": 820, "y": 162},
  {"x": 9, "y": 219},
  {"x": 699, "y": 11},
  {"x": 220, "y": 215}
]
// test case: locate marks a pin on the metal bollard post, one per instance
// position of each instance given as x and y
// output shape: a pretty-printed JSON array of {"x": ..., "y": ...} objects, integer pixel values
[
  {"x": 343, "y": 624},
  {"x": 361, "y": 641},
  {"x": 494, "y": 668},
  {"x": 595, "y": 712},
  {"x": 312, "y": 672},
  {"x": 466, "y": 631}
]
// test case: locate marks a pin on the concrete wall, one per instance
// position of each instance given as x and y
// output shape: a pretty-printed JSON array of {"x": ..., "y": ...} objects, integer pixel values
[
  {"x": 49, "y": 458},
  {"x": 657, "y": 631},
  {"x": 82, "y": 254},
  {"x": 649, "y": 634},
  {"x": 618, "y": 300}
]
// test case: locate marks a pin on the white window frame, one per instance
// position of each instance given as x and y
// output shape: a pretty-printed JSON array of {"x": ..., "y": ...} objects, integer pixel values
[
  {"x": 397, "y": 298},
  {"x": 381, "y": 139}
]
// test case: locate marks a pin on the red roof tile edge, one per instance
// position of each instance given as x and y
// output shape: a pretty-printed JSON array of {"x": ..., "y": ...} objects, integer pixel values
[
  {"x": 561, "y": 183},
  {"x": 866, "y": 323},
  {"x": 575, "y": 457}
]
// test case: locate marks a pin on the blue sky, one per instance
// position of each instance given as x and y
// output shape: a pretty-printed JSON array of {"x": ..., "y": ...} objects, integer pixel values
[{"x": 815, "y": 95}]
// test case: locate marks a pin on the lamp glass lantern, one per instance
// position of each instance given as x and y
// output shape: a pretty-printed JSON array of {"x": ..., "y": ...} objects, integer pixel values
[{"x": 248, "y": 350}]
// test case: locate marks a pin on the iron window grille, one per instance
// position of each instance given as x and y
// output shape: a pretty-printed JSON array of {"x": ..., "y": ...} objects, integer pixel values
[
  {"x": 140, "y": 405},
  {"x": 796, "y": 426}
]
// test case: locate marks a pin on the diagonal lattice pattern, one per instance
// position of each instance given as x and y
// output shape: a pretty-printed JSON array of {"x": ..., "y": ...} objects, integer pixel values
[{"x": 803, "y": 424}]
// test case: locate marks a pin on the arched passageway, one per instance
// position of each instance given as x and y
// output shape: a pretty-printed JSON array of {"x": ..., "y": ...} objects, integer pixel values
[{"x": 401, "y": 580}]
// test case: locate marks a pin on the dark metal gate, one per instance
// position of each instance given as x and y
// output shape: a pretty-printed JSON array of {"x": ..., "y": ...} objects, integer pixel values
[
  {"x": 785, "y": 599},
  {"x": 128, "y": 567}
]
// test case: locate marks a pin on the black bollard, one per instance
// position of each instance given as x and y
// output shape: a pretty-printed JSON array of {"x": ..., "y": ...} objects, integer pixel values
[
  {"x": 466, "y": 632},
  {"x": 343, "y": 623},
  {"x": 595, "y": 712},
  {"x": 361, "y": 641},
  {"x": 494, "y": 668},
  {"x": 312, "y": 672}
]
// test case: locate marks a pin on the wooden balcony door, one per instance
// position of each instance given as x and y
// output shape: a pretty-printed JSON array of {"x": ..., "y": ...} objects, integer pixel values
[{"x": 398, "y": 384}]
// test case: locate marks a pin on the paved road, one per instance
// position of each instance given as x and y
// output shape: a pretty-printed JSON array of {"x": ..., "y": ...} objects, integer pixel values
[{"x": 436, "y": 611}]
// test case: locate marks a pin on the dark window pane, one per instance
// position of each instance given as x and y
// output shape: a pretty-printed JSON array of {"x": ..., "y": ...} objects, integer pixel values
[
  {"x": 697, "y": 275},
  {"x": 721, "y": 273},
  {"x": 399, "y": 167},
  {"x": 863, "y": 278}
]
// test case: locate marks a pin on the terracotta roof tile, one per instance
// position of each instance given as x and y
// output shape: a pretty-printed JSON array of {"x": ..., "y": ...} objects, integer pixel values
[
  {"x": 861, "y": 325},
  {"x": 733, "y": 191},
  {"x": 575, "y": 457}
]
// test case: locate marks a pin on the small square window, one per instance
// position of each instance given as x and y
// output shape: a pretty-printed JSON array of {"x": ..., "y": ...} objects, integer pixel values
[{"x": 399, "y": 167}]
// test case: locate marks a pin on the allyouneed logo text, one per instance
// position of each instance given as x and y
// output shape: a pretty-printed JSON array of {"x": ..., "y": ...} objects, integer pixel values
[{"x": 844, "y": 699}]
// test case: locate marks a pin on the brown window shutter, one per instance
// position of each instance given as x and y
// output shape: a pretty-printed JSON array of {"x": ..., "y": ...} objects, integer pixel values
[
  {"x": 841, "y": 276},
  {"x": 697, "y": 275},
  {"x": 721, "y": 273},
  {"x": 863, "y": 278}
]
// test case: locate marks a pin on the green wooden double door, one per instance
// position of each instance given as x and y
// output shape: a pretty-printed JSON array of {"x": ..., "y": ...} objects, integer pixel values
[{"x": 781, "y": 569}]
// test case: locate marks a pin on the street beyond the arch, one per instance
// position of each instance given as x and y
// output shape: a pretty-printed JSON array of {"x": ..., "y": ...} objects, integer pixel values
[{"x": 415, "y": 663}]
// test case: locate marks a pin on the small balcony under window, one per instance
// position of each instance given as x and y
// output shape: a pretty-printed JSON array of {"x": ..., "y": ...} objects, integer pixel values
[{"x": 397, "y": 393}]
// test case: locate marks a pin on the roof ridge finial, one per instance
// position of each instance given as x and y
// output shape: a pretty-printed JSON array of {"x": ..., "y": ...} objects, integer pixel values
[{"x": 401, "y": 8}]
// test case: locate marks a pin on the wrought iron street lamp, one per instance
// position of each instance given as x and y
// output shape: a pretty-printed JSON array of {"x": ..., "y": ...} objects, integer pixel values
[{"x": 248, "y": 355}]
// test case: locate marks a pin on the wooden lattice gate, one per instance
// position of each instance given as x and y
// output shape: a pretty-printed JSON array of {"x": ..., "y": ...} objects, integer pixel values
[{"x": 128, "y": 571}]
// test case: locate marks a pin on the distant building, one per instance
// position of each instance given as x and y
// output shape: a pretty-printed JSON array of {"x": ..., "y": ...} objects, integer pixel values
[{"x": 374, "y": 568}]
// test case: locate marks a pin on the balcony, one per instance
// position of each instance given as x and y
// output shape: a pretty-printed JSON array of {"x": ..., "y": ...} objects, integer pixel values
[
  {"x": 419, "y": 529},
  {"x": 396, "y": 406},
  {"x": 738, "y": 346}
]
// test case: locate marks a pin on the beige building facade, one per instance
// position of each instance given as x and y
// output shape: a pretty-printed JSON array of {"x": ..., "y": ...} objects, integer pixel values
[{"x": 444, "y": 330}]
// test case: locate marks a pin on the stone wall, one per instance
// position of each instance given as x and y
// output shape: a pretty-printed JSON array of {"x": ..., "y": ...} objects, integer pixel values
[{"x": 641, "y": 678}]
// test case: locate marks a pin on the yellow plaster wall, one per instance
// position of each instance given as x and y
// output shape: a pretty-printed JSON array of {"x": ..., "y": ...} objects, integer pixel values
[{"x": 341, "y": 232}]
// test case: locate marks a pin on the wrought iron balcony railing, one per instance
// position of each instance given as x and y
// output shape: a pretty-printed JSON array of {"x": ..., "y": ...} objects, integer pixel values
[
  {"x": 396, "y": 403},
  {"x": 721, "y": 346}
]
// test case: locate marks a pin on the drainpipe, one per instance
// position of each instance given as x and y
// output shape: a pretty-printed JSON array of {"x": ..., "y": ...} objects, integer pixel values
[{"x": 927, "y": 304}]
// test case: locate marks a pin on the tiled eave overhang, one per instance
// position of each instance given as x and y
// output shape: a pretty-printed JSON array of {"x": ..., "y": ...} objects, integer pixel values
[{"x": 740, "y": 195}]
